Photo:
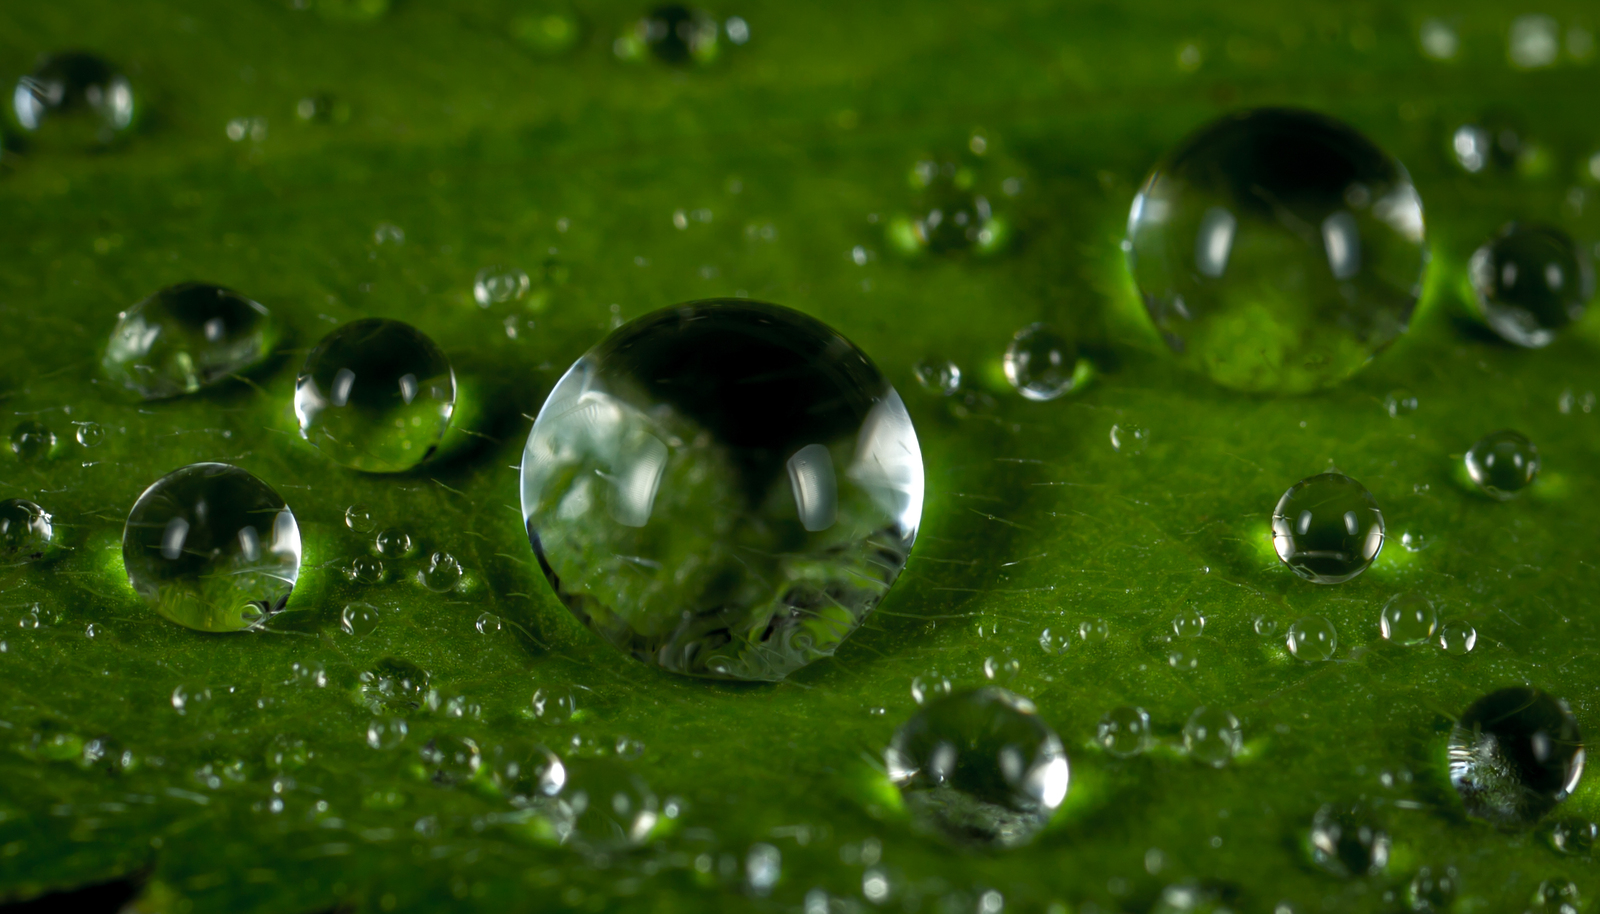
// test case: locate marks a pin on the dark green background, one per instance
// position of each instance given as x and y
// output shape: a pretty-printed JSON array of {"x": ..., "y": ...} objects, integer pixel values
[{"x": 477, "y": 147}]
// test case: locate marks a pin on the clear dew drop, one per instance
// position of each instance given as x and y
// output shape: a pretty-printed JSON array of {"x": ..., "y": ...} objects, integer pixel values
[
  {"x": 90, "y": 434},
  {"x": 1457, "y": 637},
  {"x": 1212, "y": 736},
  {"x": 393, "y": 543},
  {"x": 1094, "y": 630},
  {"x": 1327, "y": 528},
  {"x": 451, "y": 759},
  {"x": 375, "y": 395},
  {"x": 1557, "y": 895},
  {"x": 1503, "y": 463},
  {"x": 979, "y": 768},
  {"x": 27, "y": 532},
  {"x": 360, "y": 619},
  {"x": 364, "y": 570},
  {"x": 1130, "y": 439},
  {"x": 1055, "y": 640},
  {"x": 386, "y": 732},
  {"x": 776, "y": 513},
  {"x": 1313, "y": 638},
  {"x": 74, "y": 98},
  {"x": 1265, "y": 626},
  {"x": 1530, "y": 282},
  {"x": 605, "y": 806},
  {"x": 1348, "y": 841},
  {"x": 938, "y": 376},
  {"x": 1398, "y": 403},
  {"x": 496, "y": 285},
  {"x": 211, "y": 547},
  {"x": 1575, "y": 837},
  {"x": 1124, "y": 731},
  {"x": 186, "y": 337},
  {"x": 394, "y": 683},
  {"x": 1277, "y": 250},
  {"x": 488, "y": 624},
  {"x": 359, "y": 518},
  {"x": 1189, "y": 623},
  {"x": 951, "y": 214},
  {"x": 1040, "y": 363},
  {"x": 1408, "y": 619},
  {"x": 1432, "y": 890},
  {"x": 32, "y": 441},
  {"x": 1514, "y": 755}
]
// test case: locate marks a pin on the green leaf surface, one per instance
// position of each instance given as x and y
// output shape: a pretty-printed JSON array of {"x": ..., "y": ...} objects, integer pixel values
[{"x": 234, "y": 772}]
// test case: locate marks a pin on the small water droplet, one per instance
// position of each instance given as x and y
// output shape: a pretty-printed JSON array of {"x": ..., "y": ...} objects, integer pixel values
[
  {"x": 1457, "y": 637},
  {"x": 1054, "y": 641},
  {"x": 1348, "y": 841},
  {"x": 939, "y": 376},
  {"x": 74, "y": 98},
  {"x": 1530, "y": 281},
  {"x": 90, "y": 434},
  {"x": 1556, "y": 896},
  {"x": 1433, "y": 891},
  {"x": 1503, "y": 463},
  {"x": 1327, "y": 528},
  {"x": 1414, "y": 542},
  {"x": 386, "y": 732},
  {"x": 1124, "y": 731},
  {"x": 1130, "y": 439},
  {"x": 358, "y": 518},
  {"x": 979, "y": 768},
  {"x": 1408, "y": 619},
  {"x": 26, "y": 531},
  {"x": 488, "y": 624},
  {"x": 396, "y": 683},
  {"x": 286, "y": 752},
  {"x": 1514, "y": 755},
  {"x": 364, "y": 570},
  {"x": 1265, "y": 626},
  {"x": 1040, "y": 363},
  {"x": 32, "y": 441},
  {"x": 211, "y": 547},
  {"x": 1189, "y": 623},
  {"x": 393, "y": 542},
  {"x": 951, "y": 214},
  {"x": 186, "y": 337},
  {"x": 924, "y": 688},
  {"x": 1094, "y": 630},
  {"x": 375, "y": 395},
  {"x": 1575, "y": 836},
  {"x": 1183, "y": 659},
  {"x": 443, "y": 573},
  {"x": 1212, "y": 736},
  {"x": 496, "y": 285},
  {"x": 1313, "y": 638},
  {"x": 1399, "y": 403},
  {"x": 360, "y": 619}
]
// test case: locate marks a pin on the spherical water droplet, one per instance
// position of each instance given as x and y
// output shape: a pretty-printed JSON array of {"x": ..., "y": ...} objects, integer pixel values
[
  {"x": 375, "y": 395},
  {"x": 211, "y": 547},
  {"x": 951, "y": 215},
  {"x": 495, "y": 285},
  {"x": 81, "y": 98},
  {"x": 1432, "y": 891},
  {"x": 1348, "y": 841},
  {"x": 451, "y": 759},
  {"x": 364, "y": 570},
  {"x": 1124, "y": 731},
  {"x": 90, "y": 434},
  {"x": 1556, "y": 896},
  {"x": 1408, "y": 619},
  {"x": 996, "y": 670},
  {"x": 1040, "y": 363},
  {"x": 1399, "y": 403},
  {"x": 1212, "y": 736},
  {"x": 736, "y": 461},
  {"x": 26, "y": 531},
  {"x": 938, "y": 376},
  {"x": 32, "y": 441},
  {"x": 360, "y": 619},
  {"x": 678, "y": 34},
  {"x": 979, "y": 768},
  {"x": 393, "y": 543},
  {"x": 1457, "y": 637},
  {"x": 605, "y": 806},
  {"x": 1055, "y": 641},
  {"x": 358, "y": 518},
  {"x": 1514, "y": 755},
  {"x": 442, "y": 574},
  {"x": 1130, "y": 439},
  {"x": 1189, "y": 623},
  {"x": 1183, "y": 659},
  {"x": 395, "y": 683},
  {"x": 1414, "y": 542},
  {"x": 1265, "y": 626},
  {"x": 1503, "y": 463},
  {"x": 1094, "y": 630},
  {"x": 1327, "y": 528},
  {"x": 1313, "y": 638},
  {"x": 1576, "y": 837},
  {"x": 386, "y": 732},
  {"x": 185, "y": 337},
  {"x": 1278, "y": 250},
  {"x": 488, "y": 624},
  {"x": 1530, "y": 282}
]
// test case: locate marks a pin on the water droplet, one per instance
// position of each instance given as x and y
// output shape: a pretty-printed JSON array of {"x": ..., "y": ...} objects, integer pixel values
[
  {"x": 1278, "y": 250},
  {"x": 1408, "y": 619},
  {"x": 1530, "y": 282},
  {"x": 1040, "y": 363},
  {"x": 1094, "y": 630},
  {"x": 1265, "y": 626},
  {"x": 939, "y": 376},
  {"x": 725, "y": 454},
  {"x": 1348, "y": 841},
  {"x": 1189, "y": 623},
  {"x": 375, "y": 395},
  {"x": 1432, "y": 891},
  {"x": 81, "y": 95},
  {"x": 1055, "y": 641},
  {"x": 605, "y": 806},
  {"x": 26, "y": 531},
  {"x": 1534, "y": 42},
  {"x": 1313, "y": 638},
  {"x": 488, "y": 624},
  {"x": 90, "y": 434},
  {"x": 451, "y": 759},
  {"x": 1212, "y": 736},
  {"x": 360, "y": 619},
  {"x": 979, "y": 768},
  {"x": 677, "y": 34},
  {"x": 496, "y": 285},
  {"x": 394, "y": 683},
  {"x": 1130, "y": 439},
  {"x": 185, "y": 337},
  {"x": 386, "y": 732},
  {"x": 1514, "y": 755},
  {"x": 1556, "y": 896},
  {"x": 996, "y": 670},
  {"x": 211, "y": 547},
  {"x": 443, "y": 573},
  {"x": 364, "y": 570},
  {"x": 1576, "y": 837},
  {"x": 1457, "y": 637},
  {"x": 1503, "y": 463},
  {"x": 358, "y": 518},
  {"x": 286, "y": 752},
  {"x": 1399, "y": 403},
  {"x": 32, "y": 441},
  {"x": 1124, "y": 731},
  {"x": 393, "y": 543},
  {"x": 762, "y": 865},
  {"x": 930, "y": 686},
  {"x": 1327, "y": 528},
  {"x": 1183, "y": 659},
  {"x": 1414, "y": 542}
]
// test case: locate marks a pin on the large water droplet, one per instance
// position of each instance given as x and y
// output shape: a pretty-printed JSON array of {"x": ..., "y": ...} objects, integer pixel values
[
  {"x": 1040, "y": 363},
  {"x": 1531, "y": 281},
  {"x": 1278, "y": 250},
  {"x": 375, "y": 395},
  {"x": 1124, "y": 731},
  {"x": 1514, "y": 755},
  {"x": 979, "y": 768},
  {"x": 26, "y": 531},
  {"x": 90, "y": 434},
  {"x": 724, "y": 488},
  {"x": 185, "y": 337},
  {"x": 1313, "y": 638},
  {"x": 1348, "y": 841},
  {"x": 211, "y": 547},
  {"x": 1212, "y": 736},
  {"x": 76, "y": 97},
  {"x": 1327, "y": 528},
  {"x": 1408, "y": 619},
  {"x": 1503, "y": 463}
]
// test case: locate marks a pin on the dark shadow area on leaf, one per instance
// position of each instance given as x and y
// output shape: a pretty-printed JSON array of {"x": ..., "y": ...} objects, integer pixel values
[{"x": 109, "y": 897}]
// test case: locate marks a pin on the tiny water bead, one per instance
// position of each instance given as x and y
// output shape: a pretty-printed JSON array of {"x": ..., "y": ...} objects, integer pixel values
[
  {"x": 90, "y": 434},
  {"x": 950, "y": 215},
  {"x": 1212, "y": 736},
  {"x": 1327, "y": 528},
  {"x": 364, "y": 570},
  {"x": 1514, "y": 755},
  {"x": 1529, "y": 282},
  {"x": 1408, "y": 619},
  {"x": 1502, "y": 463},
  {"x": 26, "y": 531},
  {"x": 32, "y": 441},
  {"x": 1575, "y": 836},
  {"x": 186, "y": 337},
  {"x": 1189, "y": 623},
  {"x": 386, "y": 732},
  {"x": 1129, "y": 439},
  {"x": 77, "y": 95},
  {"x": 393, "y": 543},
  {"x": 360, "y": 619},
  {"x": 1433, "y": 891},
  {"x": 938, "y": 376},
  {"x": 1124, "y": 731},
  {"x": 723, "y": 488},
  {"x": 496, "y": 285},
  {"x": 1457, "y": 637},
  {"x": 1348, "y": 841},
  {"x": 1277, "y": 250},
  {"x": 375, "y": 395},
  {"x": 211, "y": 547},
  {"x": 488, "y": 624},
  {"x": 1041, "y": 363},
  {"x": 1313, "y": 638},
  {"x": 359, "y": 518},
  {"x": 979, "y": 768}
]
